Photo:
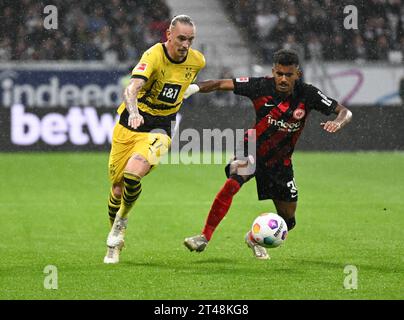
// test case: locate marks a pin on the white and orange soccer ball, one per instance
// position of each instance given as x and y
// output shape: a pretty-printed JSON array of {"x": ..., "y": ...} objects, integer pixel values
[{"x": 269, "y": 230}]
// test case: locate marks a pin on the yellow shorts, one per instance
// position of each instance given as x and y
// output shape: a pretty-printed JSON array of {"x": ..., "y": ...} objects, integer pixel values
[{"x": 126, "y": 143}]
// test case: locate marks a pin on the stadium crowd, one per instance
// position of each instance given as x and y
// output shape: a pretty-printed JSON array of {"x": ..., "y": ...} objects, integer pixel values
[
  {"x": 116, "y": 30},
  {"x": 120, "y": 30},
  {"x": 315, "y": 28}
]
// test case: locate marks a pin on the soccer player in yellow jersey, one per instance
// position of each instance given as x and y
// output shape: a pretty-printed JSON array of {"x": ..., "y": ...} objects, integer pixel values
[{"x": 142, "y": 135}]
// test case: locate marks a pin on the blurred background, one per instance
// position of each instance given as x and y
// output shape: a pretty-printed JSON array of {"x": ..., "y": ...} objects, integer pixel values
[{"x": 60, "y": 87}]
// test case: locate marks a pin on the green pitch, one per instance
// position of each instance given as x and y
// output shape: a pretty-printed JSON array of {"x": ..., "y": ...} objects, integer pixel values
[{"x": 53, "y": 212}]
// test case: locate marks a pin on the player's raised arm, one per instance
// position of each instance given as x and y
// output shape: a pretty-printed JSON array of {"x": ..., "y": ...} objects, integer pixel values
[
  {"x": 130, "y": 97},
  {"x": 209, "y": 86},
  {"x": 344, "y": 116}
]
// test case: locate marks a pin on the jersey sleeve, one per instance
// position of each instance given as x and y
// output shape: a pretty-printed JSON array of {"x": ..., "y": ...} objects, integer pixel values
[
  {"x": 202, "y": 64},
  {"x": 248, "y": 87},
  {"x": 146, "y": 66},
  {"x": 317, "y": 100}
]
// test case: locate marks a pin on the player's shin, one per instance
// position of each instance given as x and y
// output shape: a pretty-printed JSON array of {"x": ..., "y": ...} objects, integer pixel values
[
  {"x": 291, "y": 223},
  {"x": 131, "y": 191},
  {"x": 221, "y": 204},
  {"x": 114, "y": 203}
]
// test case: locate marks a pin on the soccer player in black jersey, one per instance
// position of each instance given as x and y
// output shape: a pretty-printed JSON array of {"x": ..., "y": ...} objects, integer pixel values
[{"x": 282, "y": 104}]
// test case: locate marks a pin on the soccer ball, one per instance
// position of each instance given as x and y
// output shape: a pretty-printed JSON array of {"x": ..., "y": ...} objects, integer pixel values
[{"x": 269, "y": 230}]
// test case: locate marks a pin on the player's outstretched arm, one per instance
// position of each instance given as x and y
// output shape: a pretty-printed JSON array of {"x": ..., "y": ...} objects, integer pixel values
[
  {"x": 344, "y": 116},
  {"x": 209, "y": 86}
]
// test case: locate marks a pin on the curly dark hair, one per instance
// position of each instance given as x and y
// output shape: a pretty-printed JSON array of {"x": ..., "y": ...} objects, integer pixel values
[{"x": 286, "y": 57}]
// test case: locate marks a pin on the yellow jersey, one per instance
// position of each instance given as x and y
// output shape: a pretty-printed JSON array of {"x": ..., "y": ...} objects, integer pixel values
[{"x": 166, "y": 81}]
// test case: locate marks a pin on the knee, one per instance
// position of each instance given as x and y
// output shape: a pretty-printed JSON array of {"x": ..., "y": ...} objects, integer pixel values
[
  {"x": 138, "y": 165},
  {"x": 234, "y": 171},
  {"x": 234, "y": 165},
  {"x": 117, "y": 190}
]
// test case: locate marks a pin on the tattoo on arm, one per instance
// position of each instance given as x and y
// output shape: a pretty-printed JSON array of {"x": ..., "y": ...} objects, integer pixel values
[{"x": 130, "y": 94}]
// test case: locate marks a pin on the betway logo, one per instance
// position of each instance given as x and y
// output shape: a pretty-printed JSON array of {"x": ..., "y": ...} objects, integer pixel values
[
  {"x": 79, "y": 126},
  {"x": 284, "y": 126},
  {"x": 53, "y": 94}
]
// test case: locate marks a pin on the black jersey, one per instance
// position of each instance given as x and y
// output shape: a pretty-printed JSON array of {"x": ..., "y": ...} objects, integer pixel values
[{"x": 280, "y": 121}]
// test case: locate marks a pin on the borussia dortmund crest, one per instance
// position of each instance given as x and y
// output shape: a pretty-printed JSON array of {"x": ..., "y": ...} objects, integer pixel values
[{"x": 188, "y": 73}]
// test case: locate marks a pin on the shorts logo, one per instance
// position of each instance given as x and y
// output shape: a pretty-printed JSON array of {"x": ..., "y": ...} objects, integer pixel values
[
  {"x": 141, "y": 67},
  {"x": 243, "y": 79},
  {"x": 112, "y": 170},
  {"x": 299, "y": 114}
]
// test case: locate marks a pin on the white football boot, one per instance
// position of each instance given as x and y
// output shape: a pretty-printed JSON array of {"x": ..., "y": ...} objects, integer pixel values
[
  {"x": 115, "y": 240},
  {"x": 112, "y": 255},
  {"x": 196, "y": 243},
  {"x": 258, "y": 251}
]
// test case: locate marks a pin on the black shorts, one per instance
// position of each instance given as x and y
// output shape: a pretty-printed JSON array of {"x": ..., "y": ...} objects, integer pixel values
[{"x": 275, "y": 183}]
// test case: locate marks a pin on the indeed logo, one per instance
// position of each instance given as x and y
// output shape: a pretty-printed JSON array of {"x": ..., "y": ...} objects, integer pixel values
[
  {"x": 52, "y": 94},
  {"x": 284, "y": 126},
  {"x": 79, "y": 126}
]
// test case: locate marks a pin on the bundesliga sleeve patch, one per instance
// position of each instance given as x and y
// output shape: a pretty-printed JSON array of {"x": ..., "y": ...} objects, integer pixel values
[
  {"x": 243, "y": 79},
  {"x": 141, "y": 67},
  {"x": 299, "y": 114}
]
